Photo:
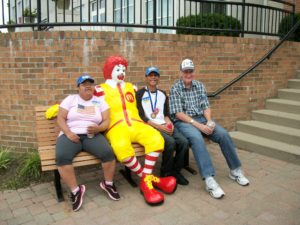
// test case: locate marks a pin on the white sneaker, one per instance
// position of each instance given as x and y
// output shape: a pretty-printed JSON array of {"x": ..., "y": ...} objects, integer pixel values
[
  {"x": 239, "y": 177},
  {"x": 213, "y": 188}
]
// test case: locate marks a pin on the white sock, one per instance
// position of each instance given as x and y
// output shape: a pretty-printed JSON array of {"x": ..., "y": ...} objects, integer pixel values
[
  {"x": 207, "y": 179},
  {"x": 110, "y": 183},
  {"x": 75, "y": 190},
  {"x": 236, "y": 170}
]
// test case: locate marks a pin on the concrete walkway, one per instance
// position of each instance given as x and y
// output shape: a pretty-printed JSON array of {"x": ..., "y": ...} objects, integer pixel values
[{"x": 272, "y": 198}]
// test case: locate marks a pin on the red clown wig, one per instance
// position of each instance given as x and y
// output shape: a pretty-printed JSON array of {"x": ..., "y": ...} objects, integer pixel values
[{"x": 110, "y": 63}]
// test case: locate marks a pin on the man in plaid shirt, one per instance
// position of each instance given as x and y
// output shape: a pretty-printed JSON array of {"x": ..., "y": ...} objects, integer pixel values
[{"x": 191, "y": 113}]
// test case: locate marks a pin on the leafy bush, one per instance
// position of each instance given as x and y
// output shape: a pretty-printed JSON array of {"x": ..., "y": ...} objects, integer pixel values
[
  {"x": 31, "y": 166},
  {"x": 286, "y": 24},
  {"x": 23, "y": 170},
  {"x": 28, "y": 13},
  {"x": 213, "y": 21},
  {"x": 11, "y": 22},
  {"x": 10, "y": 29},
  {"x": 5, "y": 157}
]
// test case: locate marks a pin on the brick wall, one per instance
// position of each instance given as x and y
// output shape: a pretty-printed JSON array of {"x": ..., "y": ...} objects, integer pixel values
[{"x": 40, "y": 68}]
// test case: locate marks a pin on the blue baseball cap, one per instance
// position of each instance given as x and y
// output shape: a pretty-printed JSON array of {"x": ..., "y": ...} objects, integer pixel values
[
  {"x": 83, "y": 78},
  {"x": 152, "y": 69}
]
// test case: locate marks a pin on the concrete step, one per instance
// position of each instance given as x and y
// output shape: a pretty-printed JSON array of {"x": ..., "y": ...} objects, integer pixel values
[
  {"x": 283, "y": 105},
  {"x": 267, "y": 130},
  {"x": 291, "y": 94},
  {"x": 264, "y": 146},
  {"x": 275, "y": 117},
  {"x": 294, "y": 83}
]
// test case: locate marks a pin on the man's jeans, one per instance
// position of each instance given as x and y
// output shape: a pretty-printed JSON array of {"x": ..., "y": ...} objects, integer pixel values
[{"x": 201, "y": 155}]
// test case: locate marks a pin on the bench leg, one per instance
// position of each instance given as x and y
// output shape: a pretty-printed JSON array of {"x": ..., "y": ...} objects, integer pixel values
[
  {"x": 127, "y": 175},
  {"x": 59, "y": 193},
  {"x": 187, "y": 163}
]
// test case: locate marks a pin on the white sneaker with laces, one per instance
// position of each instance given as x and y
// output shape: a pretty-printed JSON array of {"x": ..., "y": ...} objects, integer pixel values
[
  {"x": 213, "y": 188},
  {"x": 239, "y": 177}
]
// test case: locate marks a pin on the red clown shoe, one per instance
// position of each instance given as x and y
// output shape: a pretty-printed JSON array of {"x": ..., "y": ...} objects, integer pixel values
[
  {"x": 152, "y": 197},
  {"x": 166, "y": 184}
]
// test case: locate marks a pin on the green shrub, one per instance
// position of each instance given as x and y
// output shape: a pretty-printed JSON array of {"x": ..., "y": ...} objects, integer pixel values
[
  {"x": 286, "y": 24},
  {"x": 31, "y": 166},
  {"x": 213, "y": 21},
  {"x": 28, "y": 13},
  {"x": 5, "y": 157},
  {"x": 23, "y": 170}
]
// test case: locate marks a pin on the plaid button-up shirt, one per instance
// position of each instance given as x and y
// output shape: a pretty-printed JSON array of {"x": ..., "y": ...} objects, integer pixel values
[{"x": 191, "y": 101}]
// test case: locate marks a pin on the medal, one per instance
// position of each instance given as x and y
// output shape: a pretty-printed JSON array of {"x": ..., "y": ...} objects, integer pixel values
[
  {"x": 153, "y": 107},
  {"x": 153, "y": 115}
]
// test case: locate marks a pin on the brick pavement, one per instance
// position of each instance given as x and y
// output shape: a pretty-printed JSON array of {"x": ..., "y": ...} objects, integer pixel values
[{"x": 272, "y": 198}]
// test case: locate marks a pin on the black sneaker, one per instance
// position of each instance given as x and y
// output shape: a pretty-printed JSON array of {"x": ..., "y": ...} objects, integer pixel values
[
  {"x": 181, "y": 179},
  {"x": 110, "y": 190},
  {"x": 77, "y": 199}
]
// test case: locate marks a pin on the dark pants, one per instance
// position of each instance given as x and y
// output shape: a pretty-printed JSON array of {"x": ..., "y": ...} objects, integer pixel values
[
  {"x": 98, "y": 146},
  {"x": 176, "y": 144}
]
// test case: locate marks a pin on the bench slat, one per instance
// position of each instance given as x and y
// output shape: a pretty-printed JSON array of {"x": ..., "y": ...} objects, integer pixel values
[
  {"x": 75, "y": 164},
  {"x": 49, "y": 147},
  {"x": 76, "y": 159},
  {"x": 45, "y": 124},
  {"x": 47, "y": 143},
  {"x": 49, "y": 154},
  {"x": 50, "y": 137}
]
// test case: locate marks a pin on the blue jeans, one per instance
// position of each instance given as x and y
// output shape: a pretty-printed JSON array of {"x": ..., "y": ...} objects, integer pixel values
[{"x": 201, "y": 155}]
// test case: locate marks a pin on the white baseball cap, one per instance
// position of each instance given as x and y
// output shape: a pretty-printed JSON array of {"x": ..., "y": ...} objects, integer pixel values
[{"x": 187, "y": 64}]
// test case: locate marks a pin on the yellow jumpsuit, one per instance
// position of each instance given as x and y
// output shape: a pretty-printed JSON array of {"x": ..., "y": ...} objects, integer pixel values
[{"x": 126, "y": 126}]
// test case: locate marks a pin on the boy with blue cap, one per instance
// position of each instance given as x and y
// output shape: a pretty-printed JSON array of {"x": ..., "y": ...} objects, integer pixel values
[{"x": 153, "y": 109}]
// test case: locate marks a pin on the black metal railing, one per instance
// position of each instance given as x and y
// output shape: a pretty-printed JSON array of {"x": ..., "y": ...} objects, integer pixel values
[
  {"x": 255, "y": 65},
  {"x": 142, "y": 15}
]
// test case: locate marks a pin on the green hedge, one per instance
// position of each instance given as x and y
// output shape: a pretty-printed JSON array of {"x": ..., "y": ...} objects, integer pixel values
[
  {"x": 217, "y": 21},
  {"x": 286, "y": 24}
]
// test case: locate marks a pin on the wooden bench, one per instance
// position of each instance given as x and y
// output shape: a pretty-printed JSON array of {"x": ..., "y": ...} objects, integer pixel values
[{"x": 47, "y": 132}]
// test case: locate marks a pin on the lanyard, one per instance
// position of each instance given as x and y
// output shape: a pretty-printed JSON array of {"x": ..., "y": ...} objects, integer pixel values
[{"x": 152, "y": 106}]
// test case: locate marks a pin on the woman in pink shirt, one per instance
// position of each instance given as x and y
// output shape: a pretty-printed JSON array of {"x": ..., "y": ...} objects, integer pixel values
[{"x": 82, "y": 118}]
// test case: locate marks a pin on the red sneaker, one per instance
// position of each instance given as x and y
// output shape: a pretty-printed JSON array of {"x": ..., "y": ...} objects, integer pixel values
[
  {"x": 165, "y": 184},
  {"x": 151, "y": 196}
]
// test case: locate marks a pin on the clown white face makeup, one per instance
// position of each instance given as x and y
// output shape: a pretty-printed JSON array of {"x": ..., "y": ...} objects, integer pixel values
[{"x": 118, "y": 73}]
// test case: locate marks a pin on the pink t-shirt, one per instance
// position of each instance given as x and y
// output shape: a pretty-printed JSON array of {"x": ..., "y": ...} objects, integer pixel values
[{"x": 82, "y": 114}]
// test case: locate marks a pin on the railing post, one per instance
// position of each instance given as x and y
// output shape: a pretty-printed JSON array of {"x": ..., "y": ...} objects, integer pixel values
[
  {"x": 3, "y": 19},
  {"x": 39, "y": 12},
  {"x": 243, "y": 18},
  {"x": 154, "y": 16},
  {"x": 293, "y": 22}
]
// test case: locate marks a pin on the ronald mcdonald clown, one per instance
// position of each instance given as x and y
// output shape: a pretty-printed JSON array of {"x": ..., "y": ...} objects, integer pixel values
[{"x": 127, "y": 127}]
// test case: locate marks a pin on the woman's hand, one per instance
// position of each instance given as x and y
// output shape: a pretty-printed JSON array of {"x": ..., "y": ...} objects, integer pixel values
[
  {"x": 62, "y": 123},
  {"x": 73, "y": 137},
  {"x": 93, "y": 129}
]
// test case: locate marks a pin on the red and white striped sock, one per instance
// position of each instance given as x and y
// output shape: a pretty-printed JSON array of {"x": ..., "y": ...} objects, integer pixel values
[
  {"x": 150, "y": 160},
  {"x": 133, "y": 164}
]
